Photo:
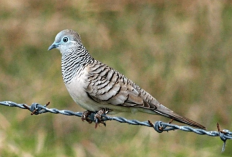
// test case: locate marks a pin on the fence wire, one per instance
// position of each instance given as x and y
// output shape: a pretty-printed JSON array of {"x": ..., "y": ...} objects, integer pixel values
[{"x": 158, "y": 126}]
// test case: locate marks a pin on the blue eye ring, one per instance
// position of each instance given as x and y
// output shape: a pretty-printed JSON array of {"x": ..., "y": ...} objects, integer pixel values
[{"x": 65, "y": 39}]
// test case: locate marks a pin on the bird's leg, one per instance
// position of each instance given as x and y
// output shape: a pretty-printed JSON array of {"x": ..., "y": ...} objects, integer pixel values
[
  {"x": 85, "y": 115},
  {"x": 98, "y": 116}
]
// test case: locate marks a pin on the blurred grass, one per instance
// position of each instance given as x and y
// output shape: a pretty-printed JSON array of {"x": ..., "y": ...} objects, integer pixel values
[{"x": 179, "y": 51}]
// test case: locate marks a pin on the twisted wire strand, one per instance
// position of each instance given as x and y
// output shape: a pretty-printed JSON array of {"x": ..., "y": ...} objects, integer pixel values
[{"x": 158, "y": 126}]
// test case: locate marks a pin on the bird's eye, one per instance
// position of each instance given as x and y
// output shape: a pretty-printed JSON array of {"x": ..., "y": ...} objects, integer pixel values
[{"x": 65, "y": 39}]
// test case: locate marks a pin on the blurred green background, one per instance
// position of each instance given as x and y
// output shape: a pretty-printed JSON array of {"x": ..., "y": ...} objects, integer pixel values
[{"x": 179, "y": 51}]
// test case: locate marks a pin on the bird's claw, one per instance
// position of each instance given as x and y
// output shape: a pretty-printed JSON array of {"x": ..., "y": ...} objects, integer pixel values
[
  {"x": 85, "y": 115},
  {"x": 98, "y": 117}
]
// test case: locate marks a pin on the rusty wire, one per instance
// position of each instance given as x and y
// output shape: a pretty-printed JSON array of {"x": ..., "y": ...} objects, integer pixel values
[{"x": 158, "y": 126}]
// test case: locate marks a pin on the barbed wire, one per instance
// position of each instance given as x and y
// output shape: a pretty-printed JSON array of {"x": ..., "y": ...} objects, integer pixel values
[{"x": 158, "y": 126}]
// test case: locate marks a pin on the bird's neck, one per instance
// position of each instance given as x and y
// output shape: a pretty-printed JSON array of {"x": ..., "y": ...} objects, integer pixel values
[{"x": 74, "y": 62}]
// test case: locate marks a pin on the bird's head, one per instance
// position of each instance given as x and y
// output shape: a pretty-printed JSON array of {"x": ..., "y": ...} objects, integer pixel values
[{"x": 66, "y": 39}]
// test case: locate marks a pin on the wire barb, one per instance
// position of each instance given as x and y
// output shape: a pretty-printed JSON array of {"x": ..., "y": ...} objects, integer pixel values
[{"x": 158, "y": 126}]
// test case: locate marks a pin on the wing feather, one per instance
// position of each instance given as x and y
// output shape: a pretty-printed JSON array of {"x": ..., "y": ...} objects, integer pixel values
[{"x": 107, "y": 86}]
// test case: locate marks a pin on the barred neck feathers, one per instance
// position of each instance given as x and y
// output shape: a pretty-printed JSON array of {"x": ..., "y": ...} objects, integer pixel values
[{"x": 74, "y": 62}]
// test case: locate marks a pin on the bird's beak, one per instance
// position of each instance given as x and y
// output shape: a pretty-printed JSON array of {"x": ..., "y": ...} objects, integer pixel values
[{"x": 54, "y": 45}]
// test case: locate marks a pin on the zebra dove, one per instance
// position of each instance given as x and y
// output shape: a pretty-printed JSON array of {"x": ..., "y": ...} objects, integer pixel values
[{"x": 99, "y": 88}]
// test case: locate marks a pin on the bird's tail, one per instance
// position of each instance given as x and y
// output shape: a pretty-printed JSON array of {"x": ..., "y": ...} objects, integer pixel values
[{"x": 162, "y": 110}]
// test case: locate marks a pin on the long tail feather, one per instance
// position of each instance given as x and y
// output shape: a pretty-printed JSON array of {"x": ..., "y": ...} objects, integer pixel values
[{"x": 162, "y": 110}]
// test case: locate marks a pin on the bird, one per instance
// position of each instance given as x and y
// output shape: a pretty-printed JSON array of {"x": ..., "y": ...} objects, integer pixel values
[{"x": 99, "y": 88}]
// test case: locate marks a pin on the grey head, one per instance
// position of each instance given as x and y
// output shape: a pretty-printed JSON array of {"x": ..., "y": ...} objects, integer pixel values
[{"x": 66, "y": 39}]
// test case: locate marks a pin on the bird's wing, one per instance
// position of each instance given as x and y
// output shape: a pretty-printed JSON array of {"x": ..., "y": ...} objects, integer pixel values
[
  {"x": 110, "y": 87},
  {"x": 107, "y": 86}
]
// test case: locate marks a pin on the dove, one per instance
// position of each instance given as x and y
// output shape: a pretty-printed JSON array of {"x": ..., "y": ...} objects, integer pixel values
[{"x": 99, "y": 88}]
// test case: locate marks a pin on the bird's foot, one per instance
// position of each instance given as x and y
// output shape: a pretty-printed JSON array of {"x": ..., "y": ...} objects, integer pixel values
[
  {"x": 85, "y": 115},
  {"x": 98, "y": 116}
]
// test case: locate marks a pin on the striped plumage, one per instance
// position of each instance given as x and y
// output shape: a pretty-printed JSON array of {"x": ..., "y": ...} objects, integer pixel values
[
  {"x": 94, "y": 85},
  {"x": 73, "y": 63}
]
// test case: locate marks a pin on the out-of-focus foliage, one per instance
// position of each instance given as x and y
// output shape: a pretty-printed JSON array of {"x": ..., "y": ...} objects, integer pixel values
[{"x": 179, "y": 51}]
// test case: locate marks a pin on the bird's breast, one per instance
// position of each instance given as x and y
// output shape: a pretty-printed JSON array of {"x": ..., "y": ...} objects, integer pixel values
[{"x": 76, "y": 88}]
